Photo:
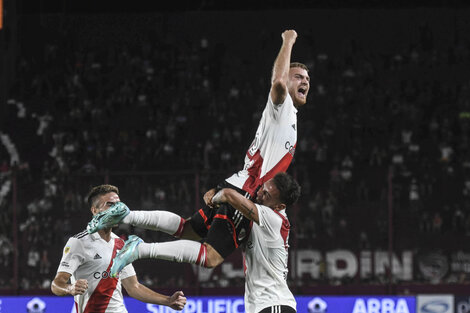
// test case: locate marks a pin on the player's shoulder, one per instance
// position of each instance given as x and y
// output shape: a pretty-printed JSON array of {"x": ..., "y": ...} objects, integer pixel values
[
  {"x": 287, "y": 104},
  {"x": 271, "y": 213},
  {"x": 81, "y": 235},
  {"x": 79, "y": 239},
  {"x": 76, "y": 242},
  {"x": 114, "y": 236},
  {"x": 262, "y": 209}
]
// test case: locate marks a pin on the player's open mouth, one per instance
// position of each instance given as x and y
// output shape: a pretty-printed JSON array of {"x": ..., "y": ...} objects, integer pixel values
[{"x": 302, "y": 91}]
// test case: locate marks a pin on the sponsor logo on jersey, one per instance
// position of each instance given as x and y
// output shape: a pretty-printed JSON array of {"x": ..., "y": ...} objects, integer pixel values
[
  {"x": 64, "y": 264},
  {"x": 97, "y": 256},
  {"x": 293, "y": 126},
  {"x": 290, "y": 148},
  {"x": 101, "y": 275}
]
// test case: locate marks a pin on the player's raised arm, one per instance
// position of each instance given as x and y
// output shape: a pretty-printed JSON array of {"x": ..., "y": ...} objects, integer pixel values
[{"x": 280, "y": 75}]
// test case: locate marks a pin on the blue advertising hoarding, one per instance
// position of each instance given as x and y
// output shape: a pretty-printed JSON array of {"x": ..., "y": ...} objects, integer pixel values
[
  {"x": 305, "y": 304},
  {"x": 356, "y": 304}
]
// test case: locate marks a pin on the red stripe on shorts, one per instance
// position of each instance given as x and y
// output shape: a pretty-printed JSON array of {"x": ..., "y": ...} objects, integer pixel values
[{"x": 205, "y": 218}]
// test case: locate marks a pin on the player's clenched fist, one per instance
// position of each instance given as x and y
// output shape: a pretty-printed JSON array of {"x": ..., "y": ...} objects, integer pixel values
[
  {"x": 78, "y": 288},
  {"x": 208, "y": 197},
  {"x": 289, "y": 36},
  {"x": 177, "y": 301}
]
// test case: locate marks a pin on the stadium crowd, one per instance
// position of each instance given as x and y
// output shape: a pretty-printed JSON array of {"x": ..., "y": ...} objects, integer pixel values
[{"x": 166, "y": 119}]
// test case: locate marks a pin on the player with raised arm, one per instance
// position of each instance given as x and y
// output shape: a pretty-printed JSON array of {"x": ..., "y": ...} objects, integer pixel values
[
  {"x": 86, "y": 262},
  {"x": 225, "y": 228}
]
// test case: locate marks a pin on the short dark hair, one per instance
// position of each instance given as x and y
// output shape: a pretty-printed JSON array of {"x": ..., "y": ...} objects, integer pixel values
[
  {"x": 298, "y": 64},
  {"x": 289, "y": 189},
  {"x": 100, "y": 190}
]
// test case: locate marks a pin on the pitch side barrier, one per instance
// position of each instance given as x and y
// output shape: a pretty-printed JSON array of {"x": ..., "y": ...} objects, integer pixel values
[{"x": 227, "y": 304}]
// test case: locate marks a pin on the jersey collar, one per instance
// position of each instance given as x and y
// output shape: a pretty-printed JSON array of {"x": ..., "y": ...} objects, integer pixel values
[{"x": 95, "y": 236}]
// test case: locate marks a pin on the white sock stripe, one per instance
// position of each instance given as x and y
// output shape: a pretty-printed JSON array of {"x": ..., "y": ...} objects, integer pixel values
[
  {"x": 200, "y": 260},
  {"x": 203, "y": 257}
]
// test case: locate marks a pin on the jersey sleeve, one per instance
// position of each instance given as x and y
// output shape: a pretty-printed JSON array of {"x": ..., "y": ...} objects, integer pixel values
[
  {"x": 127, "y": 271},
  {"x": 276, "y": 110},
  {"x": 268, "y": 222},
  {"x": 72, "y": 256}
]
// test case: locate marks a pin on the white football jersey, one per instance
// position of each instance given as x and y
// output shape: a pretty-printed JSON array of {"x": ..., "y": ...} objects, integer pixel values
[
  {"x": 90, "y": 257},
  {"x": 266, "y": 255},
  {"x": 272, "y": 149}
]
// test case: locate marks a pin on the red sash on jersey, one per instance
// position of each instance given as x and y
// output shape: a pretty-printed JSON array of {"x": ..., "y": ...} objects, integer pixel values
[
  {"x": 284, "y": 229},
  {"x": 254, "y": 181},
  {"x": 102, "y": 294}
]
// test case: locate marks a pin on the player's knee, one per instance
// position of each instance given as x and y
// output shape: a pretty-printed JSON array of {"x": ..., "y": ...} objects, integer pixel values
[
  {"x": 212, "y": 261},
  {"x": 188, "y": 231},
  {"x": 213, "y": 258}
]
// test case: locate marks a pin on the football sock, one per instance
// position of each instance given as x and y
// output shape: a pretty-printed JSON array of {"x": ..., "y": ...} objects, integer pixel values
[
  {"x": 186, "y": 251},
  {"x": 164, "y": 221}
]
